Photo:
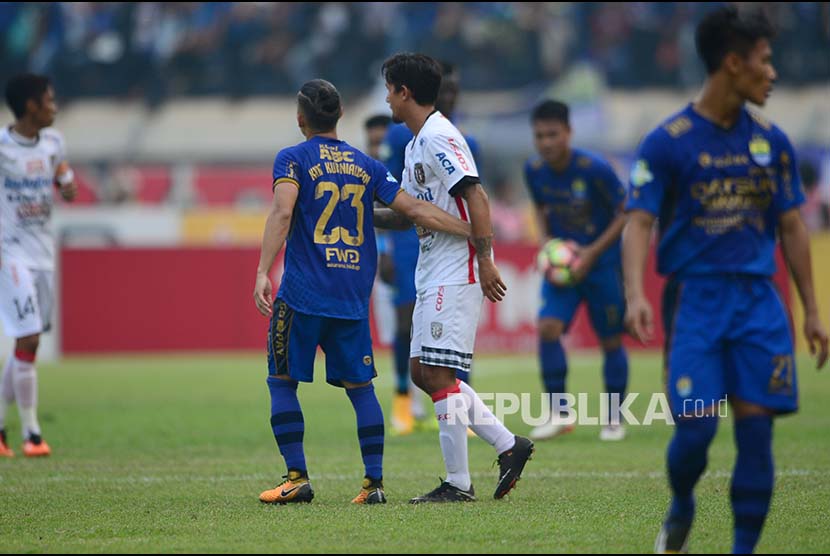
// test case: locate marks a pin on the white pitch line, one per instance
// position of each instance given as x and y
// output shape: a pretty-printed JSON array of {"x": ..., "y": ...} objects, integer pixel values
[{"x": 166, "y": 478}]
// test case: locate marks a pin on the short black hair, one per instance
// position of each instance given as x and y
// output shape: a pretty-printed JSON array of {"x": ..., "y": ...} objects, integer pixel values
[
  {"x": 319, "y": 102},
  {"x": 447, "y": 68},
  {"x": 552, "y": 110},
  {"x": 420, "y": 73},
  {"x": 727, "y": 30},
  {"x": 25, "y": 87},
  {"x": 378, "y": 120}
]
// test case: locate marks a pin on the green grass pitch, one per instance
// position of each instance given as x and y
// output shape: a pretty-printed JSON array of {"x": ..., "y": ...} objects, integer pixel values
[{"x": 169, "y": 454}]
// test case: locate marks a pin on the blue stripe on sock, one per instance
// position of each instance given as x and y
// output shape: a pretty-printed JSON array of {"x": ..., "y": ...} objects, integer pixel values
[
  {"x": 287, "y": 422},
  {"x": 370, "y": 428}
]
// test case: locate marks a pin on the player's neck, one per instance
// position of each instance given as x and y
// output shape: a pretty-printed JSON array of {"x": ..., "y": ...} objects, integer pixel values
[
  {"x": 26, "y": 129},
  {"x": 324, "y": 134},
  {"x": 718, "y": 103},
  {"x": 562, "y": 163},
  {"x": 416, "y": 119}
]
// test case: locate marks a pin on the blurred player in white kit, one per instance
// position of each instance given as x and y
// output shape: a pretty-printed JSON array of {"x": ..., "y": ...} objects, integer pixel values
[{"x": 32, "y": 163}]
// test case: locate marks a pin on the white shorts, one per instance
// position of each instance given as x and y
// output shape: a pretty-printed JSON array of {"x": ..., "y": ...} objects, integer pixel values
[
  {"x": 444, "y": 325},
  {"x": 26, "y": 299}
]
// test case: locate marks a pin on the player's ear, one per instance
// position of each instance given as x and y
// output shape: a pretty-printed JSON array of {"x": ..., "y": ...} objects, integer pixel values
[
  {"x": 732, "y": 62},
  {"x": 32, "y": 106},
  {"x": 300, "y": 120}
]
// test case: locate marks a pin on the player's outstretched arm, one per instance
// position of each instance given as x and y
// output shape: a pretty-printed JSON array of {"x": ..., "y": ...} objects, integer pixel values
[
  {"x": 276, "y": 230},
  {"x": 795, "y": 242},
  {"x": 639, "y": 318},
  {"x": 388, "y": 219},
  {"x": 428, "y": 215}
]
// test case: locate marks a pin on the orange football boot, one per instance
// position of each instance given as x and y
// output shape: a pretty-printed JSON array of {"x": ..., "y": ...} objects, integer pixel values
[
  {"x": 5, "y": 451},
  {"x": 36, "y": 447},
  {"x": 371, "y": 492},
  {"x": 295, "y": 488}
]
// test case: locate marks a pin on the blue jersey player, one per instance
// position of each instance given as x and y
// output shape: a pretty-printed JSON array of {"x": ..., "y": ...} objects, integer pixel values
[
  {"x": 722, "y": 181},
  {"x": 578, "y": 197},
  {"x": 324, "y": 191},
  {"x": 408, "y": 411}
]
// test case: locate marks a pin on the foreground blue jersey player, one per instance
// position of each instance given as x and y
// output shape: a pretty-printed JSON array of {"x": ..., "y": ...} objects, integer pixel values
[
  {"x": 578, "y": 197},
  {"x": 324, "y": 190},
  {"x": 722, "y": 181}
]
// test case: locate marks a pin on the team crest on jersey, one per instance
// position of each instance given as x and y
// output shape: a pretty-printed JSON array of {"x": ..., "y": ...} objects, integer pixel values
[
  {"x": 760, "y": 151},
  {"x": 420, "y": 175},
  {"x": 367, "y": 360},
  {"x": 579, "y": 189},
  {"x": 684, "y": 386},
  {"x": 640, "y": 174},
  {"x": 436, "y": 329},
  {"x": 35, "y": 166}
]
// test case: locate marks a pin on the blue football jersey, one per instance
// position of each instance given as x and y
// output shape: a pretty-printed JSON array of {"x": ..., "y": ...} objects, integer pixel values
[
  {"x": 718, "y": 193},
  {"x": 331, "y": 253},
  {"x": 580, "y": 202}
]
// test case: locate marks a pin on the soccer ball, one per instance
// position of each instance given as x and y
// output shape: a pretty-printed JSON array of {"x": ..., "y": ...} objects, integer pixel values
[{"x": 557, "y": 260}]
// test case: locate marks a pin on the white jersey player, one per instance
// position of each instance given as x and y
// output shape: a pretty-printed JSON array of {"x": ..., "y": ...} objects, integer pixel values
[
  {"x": 452, "y": 277},
  {"x": 32, "y": 162}
]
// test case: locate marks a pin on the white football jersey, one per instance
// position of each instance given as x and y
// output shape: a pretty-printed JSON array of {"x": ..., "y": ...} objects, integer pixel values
[
  {"x": 436, "y": 160},
  {"x": 27, "y": 175}
]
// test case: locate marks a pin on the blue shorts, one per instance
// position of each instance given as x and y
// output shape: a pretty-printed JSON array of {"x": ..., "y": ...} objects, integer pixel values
[
  {"x": 293, "y": 339},
  {"x": 603, "y": 292},
  {"x": 405, "y": 249},
  {"x": 727, "y": 336}
]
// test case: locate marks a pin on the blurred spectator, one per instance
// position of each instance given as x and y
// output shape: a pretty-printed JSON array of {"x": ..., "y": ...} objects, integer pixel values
[
  {"x": 510, "y": 221},
  {"x": 816, "y": 211},
  {"x": 158, "y": 49}
]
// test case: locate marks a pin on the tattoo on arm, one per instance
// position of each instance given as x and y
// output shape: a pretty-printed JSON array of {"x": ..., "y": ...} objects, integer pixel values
[
  {"x": 388, "y": 219},
  {"x": 483, "y": 245}
]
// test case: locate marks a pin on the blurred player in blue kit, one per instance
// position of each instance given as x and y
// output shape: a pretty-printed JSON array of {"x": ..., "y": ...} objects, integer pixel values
[
  {"x": 723, "y": 183},
  {"x": 578, "y": 197}
]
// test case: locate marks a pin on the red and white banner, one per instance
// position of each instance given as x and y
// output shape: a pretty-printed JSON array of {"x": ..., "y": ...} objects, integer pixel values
[{"x": 189, "y": 299}]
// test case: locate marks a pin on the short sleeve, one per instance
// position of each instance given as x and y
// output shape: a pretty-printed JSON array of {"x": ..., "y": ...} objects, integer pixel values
[
  {"x": 386, "y": 186},
  {"x": 286, "y": 168},
  {"x": 789, "y": 193},
  {"x": 450, "y": 158},
  {"x": 650, "y": 175}
]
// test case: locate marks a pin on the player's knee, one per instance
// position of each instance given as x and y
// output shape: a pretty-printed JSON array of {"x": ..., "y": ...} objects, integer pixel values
[
  {"x": 437, "y": 378},
  {"x": 353, "y": 385},
  {"x": 550, "y": 330},
  {"x": 28, "y": 344},
  {"x": 416, "y": 374},
  {"x": 612, "y": 343},
  {"x": 742, "y": 409}
]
